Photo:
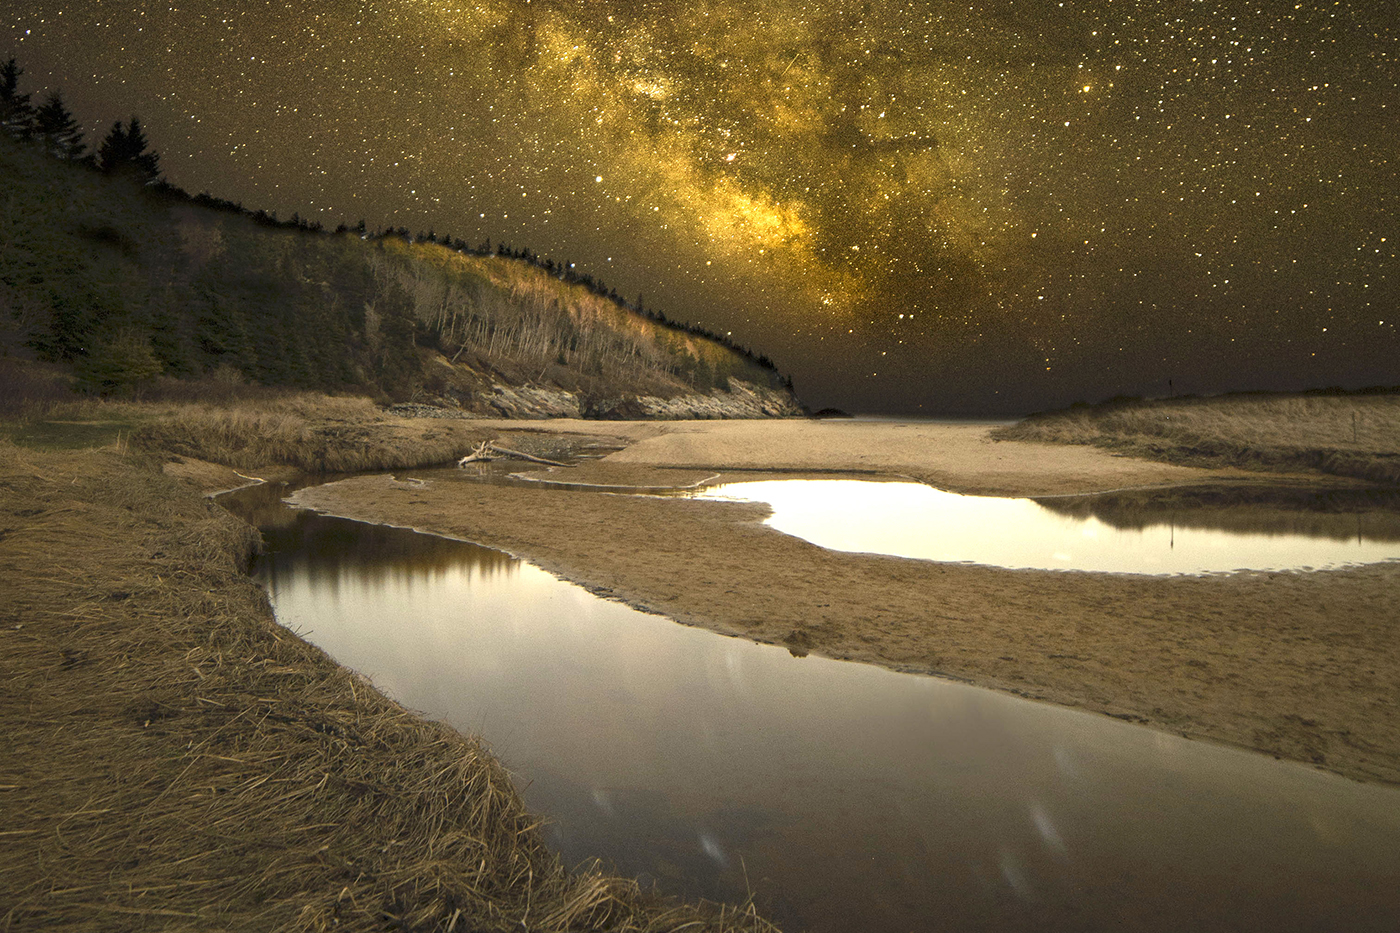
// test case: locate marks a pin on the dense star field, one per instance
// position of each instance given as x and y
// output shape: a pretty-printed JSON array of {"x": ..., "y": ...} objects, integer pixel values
[{"x": 985, "y": 206}]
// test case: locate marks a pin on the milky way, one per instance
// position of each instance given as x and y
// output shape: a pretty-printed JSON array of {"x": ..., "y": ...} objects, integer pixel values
[{"x": 985, "y": 206}]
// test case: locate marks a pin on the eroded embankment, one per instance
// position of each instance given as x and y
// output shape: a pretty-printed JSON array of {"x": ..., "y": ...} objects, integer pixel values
[{"x": 173, "y": 759}]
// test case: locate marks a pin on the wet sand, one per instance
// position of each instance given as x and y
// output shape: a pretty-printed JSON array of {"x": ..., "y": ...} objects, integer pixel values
[{"x": 1300, "y": 665}]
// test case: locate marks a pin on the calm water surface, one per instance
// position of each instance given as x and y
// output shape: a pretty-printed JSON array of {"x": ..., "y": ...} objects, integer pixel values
[
  {"x": 915, "y": 520},
  {"x": 845, "y": 796}
]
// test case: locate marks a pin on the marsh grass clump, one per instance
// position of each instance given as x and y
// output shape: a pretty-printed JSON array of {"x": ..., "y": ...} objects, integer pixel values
[
  {"x": 1345, "y": 434},
  {"x": 174, "y": 759},
  {"x": 309, "y": 431}
]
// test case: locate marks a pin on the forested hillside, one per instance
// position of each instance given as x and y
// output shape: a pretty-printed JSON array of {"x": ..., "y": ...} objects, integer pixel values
[{"x": 126, "y": 280}]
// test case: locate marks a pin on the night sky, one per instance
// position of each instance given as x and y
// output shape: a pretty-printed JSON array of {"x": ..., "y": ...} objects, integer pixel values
[{"x": 921, "y": 207}]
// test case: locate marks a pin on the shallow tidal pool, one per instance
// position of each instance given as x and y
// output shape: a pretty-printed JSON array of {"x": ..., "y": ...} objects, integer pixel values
[
  {"x": 842, "y": 796},
  {"x": 908, "y": 519}
]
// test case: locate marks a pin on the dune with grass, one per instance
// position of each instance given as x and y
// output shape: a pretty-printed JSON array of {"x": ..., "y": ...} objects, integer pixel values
[{"x": 1349, "y": 434}]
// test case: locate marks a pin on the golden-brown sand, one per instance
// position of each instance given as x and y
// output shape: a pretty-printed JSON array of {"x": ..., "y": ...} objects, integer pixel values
[{"x": 1300, "y": 665}]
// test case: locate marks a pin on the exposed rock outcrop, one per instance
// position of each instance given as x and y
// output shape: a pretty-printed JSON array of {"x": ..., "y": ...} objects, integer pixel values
[
  {"x": 530, "y": 402},
  {"x": 742, "y": 400}
]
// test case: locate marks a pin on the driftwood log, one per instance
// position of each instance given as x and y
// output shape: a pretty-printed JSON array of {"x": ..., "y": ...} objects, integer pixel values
[{"x": 487, "y": 451}]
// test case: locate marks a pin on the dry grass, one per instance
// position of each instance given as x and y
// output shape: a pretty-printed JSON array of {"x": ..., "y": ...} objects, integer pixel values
[
  {"x": 29, "y": 389},
  {"x": 1355, "y": 435},
  {"x": 173, "y": 759},
  {"x": 508, "y": 311},
  {"x": 312, "y": 432},
  {"x": 223, "y": 421}
]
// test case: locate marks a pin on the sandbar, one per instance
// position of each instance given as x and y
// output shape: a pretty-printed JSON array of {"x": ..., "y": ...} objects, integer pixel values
[{"x": 1300, "y": 665}]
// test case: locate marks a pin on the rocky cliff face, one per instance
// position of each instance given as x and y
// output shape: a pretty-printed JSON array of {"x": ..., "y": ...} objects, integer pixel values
[
  {"x": 741, "y": 400},
  {"x": 482, "y": 388}
]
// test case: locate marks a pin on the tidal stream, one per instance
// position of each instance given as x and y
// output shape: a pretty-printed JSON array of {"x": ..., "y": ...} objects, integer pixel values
[{"x": 845, "y": 797}]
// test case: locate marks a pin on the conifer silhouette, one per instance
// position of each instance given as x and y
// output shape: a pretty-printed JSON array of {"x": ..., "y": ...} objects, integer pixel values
[
  {"x": 16, "y": 113},
  {"x": 57, "y": 130},
  {"x": 124, "y": 152}
]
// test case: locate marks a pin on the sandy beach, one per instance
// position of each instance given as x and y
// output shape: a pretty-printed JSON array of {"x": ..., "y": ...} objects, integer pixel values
[{"x": 1298, "y": 665}]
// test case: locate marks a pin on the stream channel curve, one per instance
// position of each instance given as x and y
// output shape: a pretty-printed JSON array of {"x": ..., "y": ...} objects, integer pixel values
[{"x": 842, "y": 796}]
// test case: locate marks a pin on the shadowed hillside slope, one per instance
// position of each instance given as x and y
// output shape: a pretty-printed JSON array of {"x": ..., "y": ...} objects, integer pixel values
[{"x": 128, "y": 283}]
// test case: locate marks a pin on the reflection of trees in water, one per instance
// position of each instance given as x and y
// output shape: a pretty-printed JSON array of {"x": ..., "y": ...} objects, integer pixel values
[
  {"x": 1341, "y": 514},
  {"x": 324, "y": 548},
  {"x": 261, "y": 506}
]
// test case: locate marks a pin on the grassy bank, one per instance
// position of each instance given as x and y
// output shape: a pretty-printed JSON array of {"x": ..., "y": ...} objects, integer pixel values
[
  {"x": 173, "y": 759},
  {"x": 252, "y": 429},
  {"x": 1352, "y": 435},
  {"x": 311, "y": 432}
]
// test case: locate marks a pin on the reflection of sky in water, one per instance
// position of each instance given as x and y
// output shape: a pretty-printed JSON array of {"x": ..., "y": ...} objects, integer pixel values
[
  {"x": 919, "y": 521},
  {"x": 847, "y": 796}
]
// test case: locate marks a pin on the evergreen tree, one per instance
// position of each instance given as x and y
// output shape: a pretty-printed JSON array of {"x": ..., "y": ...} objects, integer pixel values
[
  {"x": 16, "y": 113},
  {"x": 57, "y": 130},
  {"x": 118, "y": 365},
  {"x": 124, "y": 152},
  {"x": 112, "y": 153}
]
